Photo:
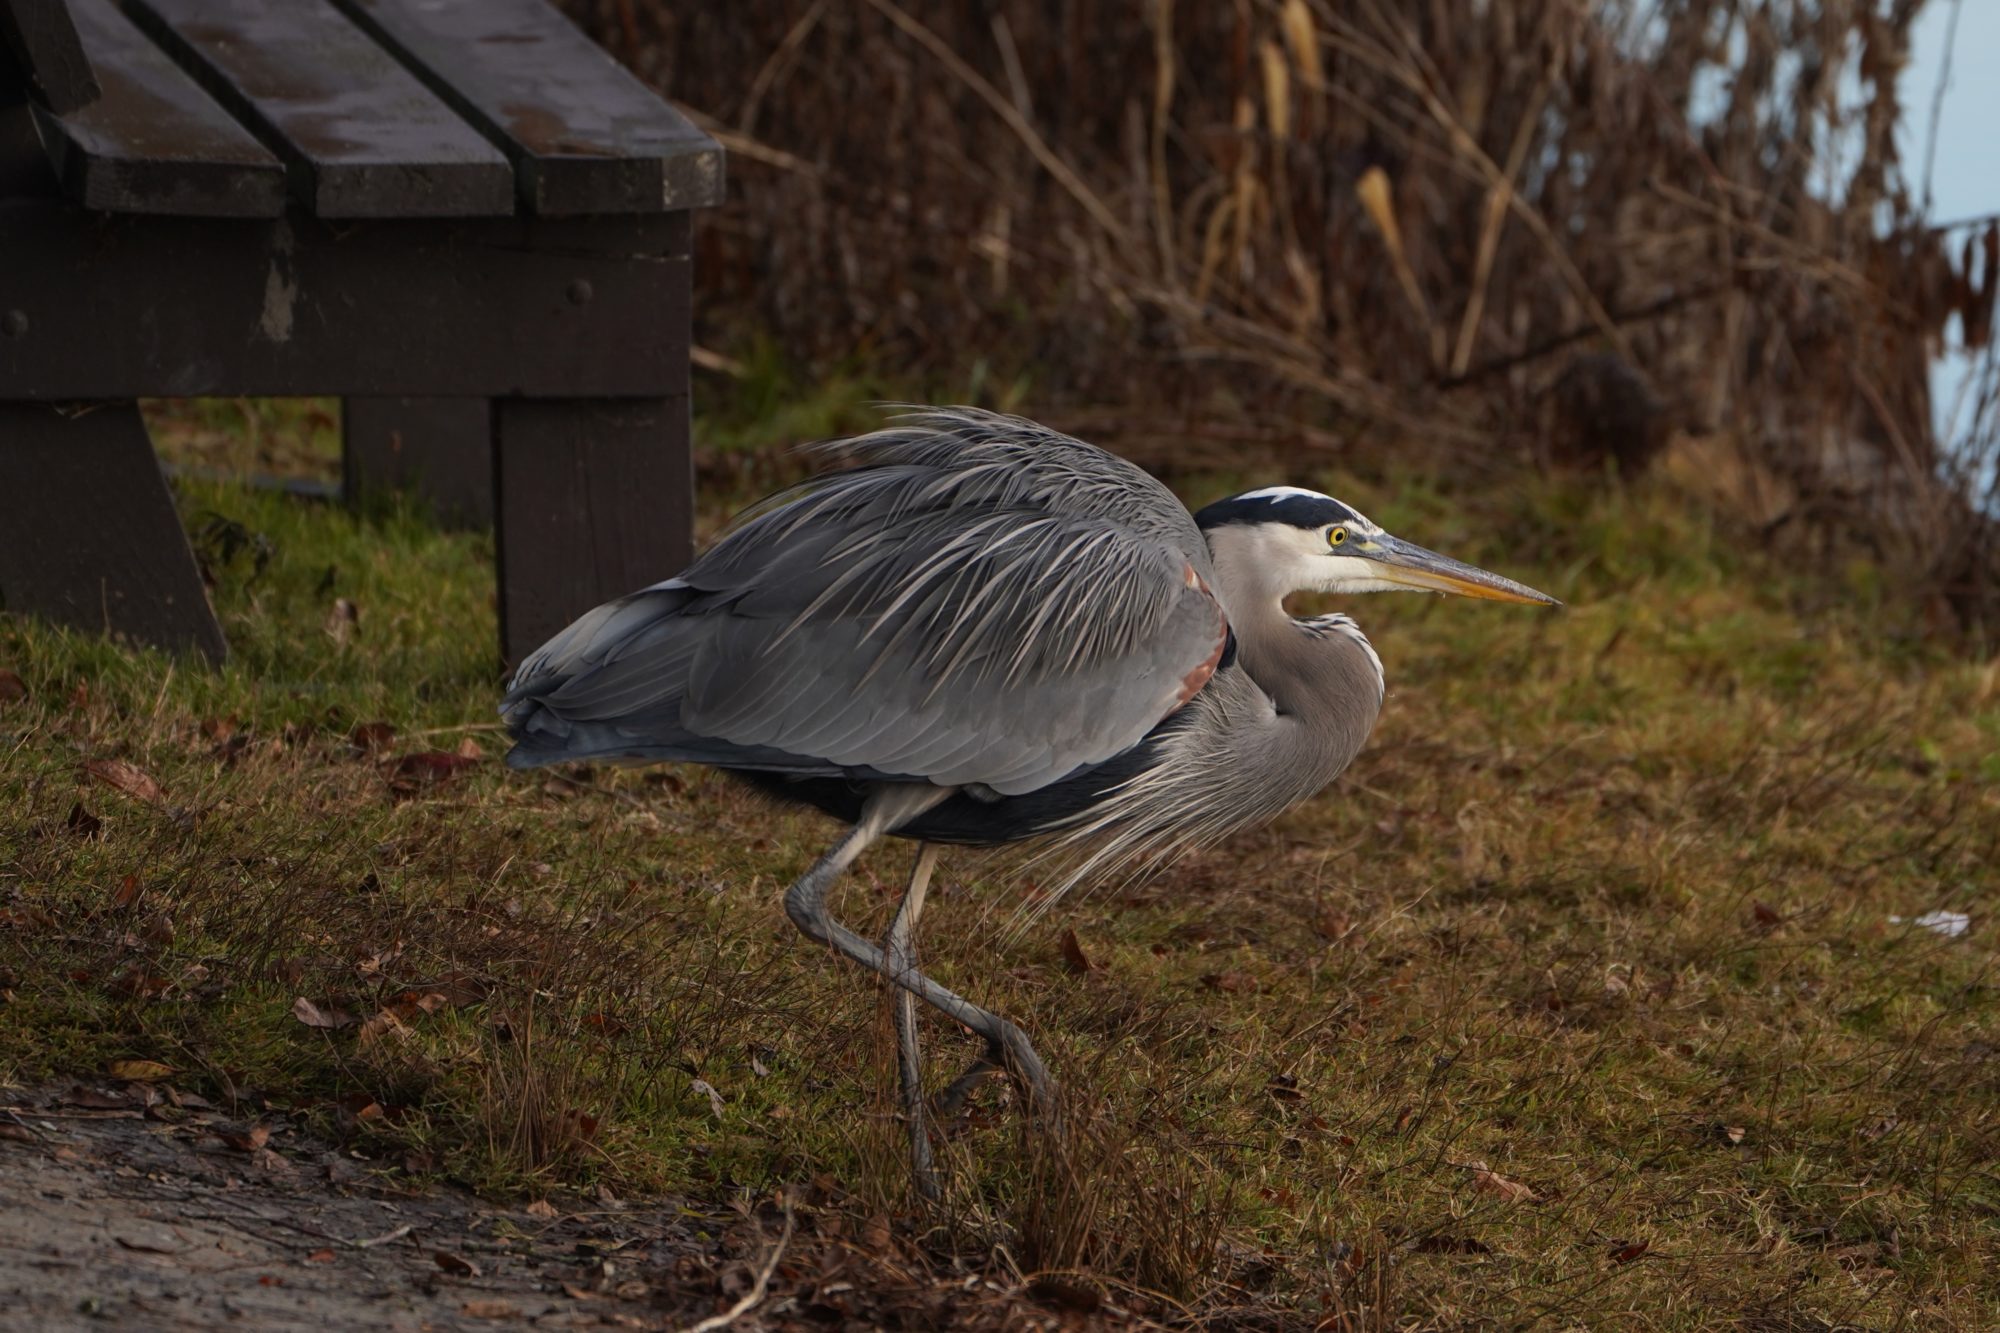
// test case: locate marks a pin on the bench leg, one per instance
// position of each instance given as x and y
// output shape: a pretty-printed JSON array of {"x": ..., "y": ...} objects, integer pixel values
[
  {"x": 441, "y": 449},
  {"x": 88, "y": 533},
  {"x": 593, "y": 498}
]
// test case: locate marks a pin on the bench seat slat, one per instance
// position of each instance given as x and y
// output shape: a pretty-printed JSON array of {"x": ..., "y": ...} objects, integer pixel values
[
  {"x": 361, "y": 136},
  {"x": 44, "y": 40},
  {"x": 586, "y": 135},
  {"x": 154, "y": 142}
]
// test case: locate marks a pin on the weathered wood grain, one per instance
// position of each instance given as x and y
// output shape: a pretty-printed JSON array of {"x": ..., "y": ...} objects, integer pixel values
[
  {"x": 46, "y": 48},
  {"x": 88, "y": 533},
  {"x": 549, "y": 307},
  {"x": 585, "y": 134},
  {"x": 588, "y": 500},
  {"x": 440, "y": 450},
  {"x": 154, "y": 142},
  {"x": 361, "y": 135}
]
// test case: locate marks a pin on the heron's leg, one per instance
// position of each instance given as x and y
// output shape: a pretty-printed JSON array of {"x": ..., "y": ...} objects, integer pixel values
[
  {"x": 899, "y": 950},
  {"x": 805, "y": 903}
]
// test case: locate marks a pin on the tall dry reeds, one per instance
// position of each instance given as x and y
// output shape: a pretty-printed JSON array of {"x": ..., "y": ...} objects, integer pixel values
[{"x": 1488, "y": 231}]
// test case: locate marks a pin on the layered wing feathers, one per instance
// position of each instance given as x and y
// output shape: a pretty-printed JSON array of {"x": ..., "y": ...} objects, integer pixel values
[{"x": 980, "y": 601}]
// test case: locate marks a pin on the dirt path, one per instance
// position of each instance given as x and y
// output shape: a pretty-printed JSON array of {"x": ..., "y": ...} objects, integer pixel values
[{"x": 116, "y": 1214}]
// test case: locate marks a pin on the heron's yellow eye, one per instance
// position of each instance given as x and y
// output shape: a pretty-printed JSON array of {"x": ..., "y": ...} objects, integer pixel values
[{"x": 1335, "y": 536}]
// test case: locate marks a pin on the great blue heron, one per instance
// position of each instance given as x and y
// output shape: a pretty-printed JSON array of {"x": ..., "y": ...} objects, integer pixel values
[{"x": 981, "y": 632}]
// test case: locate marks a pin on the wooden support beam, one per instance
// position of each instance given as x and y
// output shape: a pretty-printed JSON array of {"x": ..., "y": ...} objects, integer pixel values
[
  {"x": 437, "y": 449},
  {"x": 584, "y": 507},
  {"x": 48, "y": 52},
  {"x": 130, "y": 307},
  {"x": 88, "y": 533}
]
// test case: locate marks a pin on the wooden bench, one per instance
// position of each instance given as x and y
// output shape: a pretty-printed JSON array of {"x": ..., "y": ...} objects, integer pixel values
[{"x": 461, "y": 216}]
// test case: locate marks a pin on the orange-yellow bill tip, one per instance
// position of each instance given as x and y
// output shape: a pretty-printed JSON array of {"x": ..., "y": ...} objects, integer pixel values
[{"x": 1413, "y": 566}]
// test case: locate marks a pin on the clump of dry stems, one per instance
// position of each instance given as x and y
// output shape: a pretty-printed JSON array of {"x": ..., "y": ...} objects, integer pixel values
[{"x": 1487, "y": 231}]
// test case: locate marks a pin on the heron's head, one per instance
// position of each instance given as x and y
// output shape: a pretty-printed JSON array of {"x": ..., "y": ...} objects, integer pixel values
[{"x": 1282, "y": 539}]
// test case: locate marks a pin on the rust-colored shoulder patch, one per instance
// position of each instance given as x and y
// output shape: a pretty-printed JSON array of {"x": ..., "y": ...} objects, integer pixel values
[{"x": 1195, "y": 680}]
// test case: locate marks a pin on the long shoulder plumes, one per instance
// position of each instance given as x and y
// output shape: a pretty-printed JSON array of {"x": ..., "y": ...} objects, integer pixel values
[{"x": 979, "y": 600}]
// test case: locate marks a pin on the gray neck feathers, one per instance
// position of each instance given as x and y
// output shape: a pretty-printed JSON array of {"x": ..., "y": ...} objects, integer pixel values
[
  {"x": 1325, "y": 687},
  {"x": 1266, "y": 733}
]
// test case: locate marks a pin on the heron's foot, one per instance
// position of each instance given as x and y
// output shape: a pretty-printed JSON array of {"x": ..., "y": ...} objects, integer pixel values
[
  {"x": 949, "y": 1103},
  {"x": 1007, "y": 1049},
  {"x": 1018, "y": 1054}
]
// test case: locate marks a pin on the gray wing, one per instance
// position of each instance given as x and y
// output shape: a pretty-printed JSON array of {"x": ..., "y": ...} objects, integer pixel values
[{"x": 981, "y": 601}]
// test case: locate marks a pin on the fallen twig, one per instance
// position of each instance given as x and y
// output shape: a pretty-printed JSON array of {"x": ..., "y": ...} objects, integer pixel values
[
  {"x": 385, "y": 1237},
  {"x": 758, "y": 1288}
]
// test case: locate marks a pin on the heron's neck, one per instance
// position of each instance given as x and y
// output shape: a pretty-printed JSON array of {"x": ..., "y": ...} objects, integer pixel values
[{"x": 1320, "y": 670}]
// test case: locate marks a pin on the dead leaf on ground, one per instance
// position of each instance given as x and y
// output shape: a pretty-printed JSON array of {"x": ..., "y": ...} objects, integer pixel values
[
  {"x": 1729, "y": 1134},
  {"x": 376, "y": 1028},
  {"x": 1333, "y": 926},
  {"x": 320, "y": 1257},
  {"x": 1625, "y": 1254},
  {"x": 82, "y": 823},
  {"x": 93, "y": 1099},
  {"x": 1766, "y": 916},
  {"x": 127, "y": 892},
  {"x": 1492, "y": 1182},
  {"x": 128, "y": 778},
  {"x": 1073, "y": 955},
  {"x": 714, "y": 1097},
  {"x": 1236, "y": 983},
  {"x": 139, "y": 1071},
  {"x": 249, "y": 1141},
  {"x": 314, "y": 1016},
  {"x": 426, "y": 768},
  {"x": 373, "y": 964},
  {"x": 396, "y": 1015},
  {"x": 136, "y": 983},
  {"x": 490, "y": 1309},
  {"x": 12, "y": 688},
  {"x": 360, "y": 1108},
  {"x": 542, "y": 1208},
  {"x": 581, "y": 1124},
  {"x": 1063, "y": 1294},
  {"x": 368, "y": 737},
  {"x": 455, "y": 1264},
  {"x": 470, "y": 749}
]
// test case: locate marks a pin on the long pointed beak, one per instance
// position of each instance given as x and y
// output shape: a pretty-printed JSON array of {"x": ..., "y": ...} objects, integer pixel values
[{"x": 1412, "y": 566}]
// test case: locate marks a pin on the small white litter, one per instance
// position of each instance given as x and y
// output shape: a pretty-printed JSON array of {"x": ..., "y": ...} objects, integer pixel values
[{"x": 1950, "y": 924}]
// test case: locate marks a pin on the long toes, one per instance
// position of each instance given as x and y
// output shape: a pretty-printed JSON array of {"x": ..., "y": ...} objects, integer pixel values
[
  {"x": 947, "y": 1104},
  {"x": 1026, "y": 1066}
]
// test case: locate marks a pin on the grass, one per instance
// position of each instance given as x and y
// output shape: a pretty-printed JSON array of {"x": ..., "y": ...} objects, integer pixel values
[{"x": 1580, "y": 1001}]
